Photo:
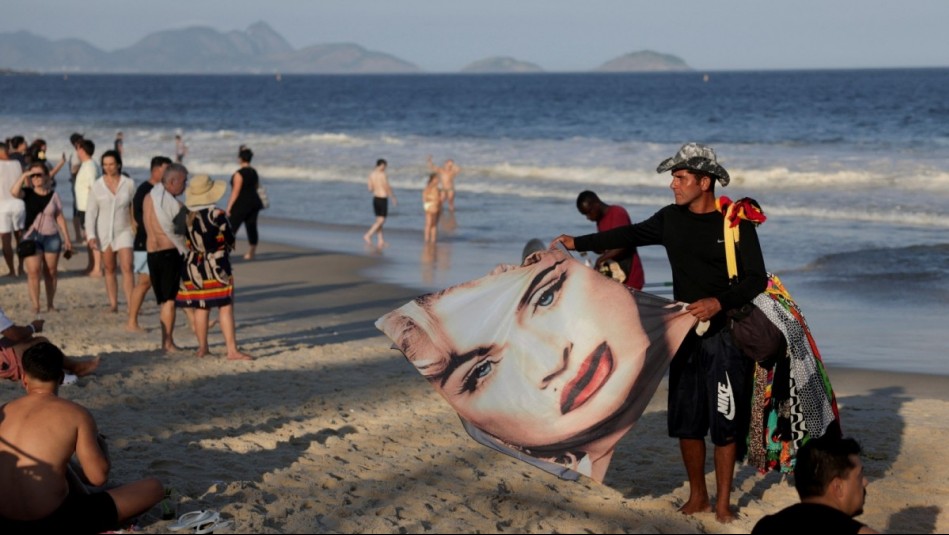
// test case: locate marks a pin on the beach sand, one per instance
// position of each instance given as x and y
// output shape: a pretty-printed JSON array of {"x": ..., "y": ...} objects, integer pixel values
[{"x": 330, "y": 430}]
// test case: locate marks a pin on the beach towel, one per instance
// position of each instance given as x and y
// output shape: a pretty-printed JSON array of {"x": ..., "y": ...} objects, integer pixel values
[
  {"x": 793, "y": 400},
  {"x": 549, "y": 362}
]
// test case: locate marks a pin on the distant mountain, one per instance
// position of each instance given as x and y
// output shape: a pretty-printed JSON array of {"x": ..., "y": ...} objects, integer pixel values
[
  {"x": 259, "y": 49},
  {"x": 343, "y": 58},
  {"x": 501, "y": 64},
  {"x": 644, "y": 61}
]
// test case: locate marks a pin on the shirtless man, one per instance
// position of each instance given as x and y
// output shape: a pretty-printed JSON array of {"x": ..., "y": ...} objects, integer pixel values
[
  {"x": 140, "y": 255},
  {"x": 446, "y": 175},
  {"x": 381, "y": 192},
  {"x": 181, "y": 150},
  {"x": 164, "y": 247},
  {"x": 39, "y": 434}
]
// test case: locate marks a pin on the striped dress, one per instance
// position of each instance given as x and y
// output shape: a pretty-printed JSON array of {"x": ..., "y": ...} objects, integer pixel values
[{"x": 206, "y": 278}]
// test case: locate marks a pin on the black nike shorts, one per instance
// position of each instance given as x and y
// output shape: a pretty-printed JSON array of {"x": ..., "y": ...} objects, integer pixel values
[{"x": 710, "y": 388}]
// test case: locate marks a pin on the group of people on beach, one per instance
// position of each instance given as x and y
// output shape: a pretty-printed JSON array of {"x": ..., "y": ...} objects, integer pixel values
[
  {"x": 186, "y": 254},
  {"x": 179, "y": 250},
  {"x": 439, "y": 189},
  {"x": 107, "y": 216}
]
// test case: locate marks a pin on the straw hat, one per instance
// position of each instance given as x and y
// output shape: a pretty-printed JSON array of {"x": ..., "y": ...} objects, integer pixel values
[{"x": 203, "y": 191}]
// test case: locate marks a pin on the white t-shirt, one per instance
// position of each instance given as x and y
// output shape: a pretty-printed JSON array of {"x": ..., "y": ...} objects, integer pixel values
[
  {"x": 85, "y": 178},
  {"x": 10, "y": 172}
]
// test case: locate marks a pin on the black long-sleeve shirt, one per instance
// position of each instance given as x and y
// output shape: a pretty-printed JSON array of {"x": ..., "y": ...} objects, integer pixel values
[{"x": 696, "y": 249}]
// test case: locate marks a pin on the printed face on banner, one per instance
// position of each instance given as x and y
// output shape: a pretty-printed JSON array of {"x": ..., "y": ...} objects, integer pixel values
[{"x": 550, "y": 358}]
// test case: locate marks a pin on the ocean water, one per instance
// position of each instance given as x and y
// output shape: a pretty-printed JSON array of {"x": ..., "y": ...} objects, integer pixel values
[{"x": 851, "y": 167}]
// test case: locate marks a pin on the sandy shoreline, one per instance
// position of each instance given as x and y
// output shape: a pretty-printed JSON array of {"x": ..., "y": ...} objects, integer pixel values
[{"x": 331, "y": 431}]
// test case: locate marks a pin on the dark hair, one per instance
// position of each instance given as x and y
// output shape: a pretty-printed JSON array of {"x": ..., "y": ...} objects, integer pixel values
[
  {"x": 380, "y": 161},
  {"x": 16, "y": 141},
  {"x": 76, "y": 137},
  {"x": 698, "y": 174},
  {"x": 159, "y": 161},
  {"x": 44, "y": 362},
  {"x": 821, "y": 460},
  {"x": 114, "y": 154},
  {"x": 36, "y": 152},
  {"x": 39, "y": 165},
  {"x": 245, "y": 155},
  {"x": 87, "y": 146},
  {"x": 586, "y": 197}
]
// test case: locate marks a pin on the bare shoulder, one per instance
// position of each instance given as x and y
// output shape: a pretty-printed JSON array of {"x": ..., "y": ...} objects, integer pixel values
[{"x": 53, "y": 411}]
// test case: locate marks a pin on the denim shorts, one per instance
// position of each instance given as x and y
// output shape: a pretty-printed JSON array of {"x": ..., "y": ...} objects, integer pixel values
[
  {"x": 48, "y": 243},
  {"x": 140, "y": 262}
]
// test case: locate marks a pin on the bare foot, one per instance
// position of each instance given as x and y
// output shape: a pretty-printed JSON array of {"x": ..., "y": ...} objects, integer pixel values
[
  {"x": 86, "y": 367},
  {"x": 114, "y": 309},
  {"x": 725, "y": 517},
  {"x": 51, "y": 308},
  {"x": 382, "y": 244},
  {"x": 367, "y": 238},
  {"x": 134, "y": 328},
  {"x": 698, "y": 506},
  {"x": 203, "y": 352},
  {"x": 171, "y": 349},
  {"x": 239, "y": 356}
]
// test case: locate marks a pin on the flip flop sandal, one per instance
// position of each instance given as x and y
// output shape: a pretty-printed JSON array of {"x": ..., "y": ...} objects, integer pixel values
[
  {"x": 213, "y": 525},
  {"x": 195, "y": 519}
]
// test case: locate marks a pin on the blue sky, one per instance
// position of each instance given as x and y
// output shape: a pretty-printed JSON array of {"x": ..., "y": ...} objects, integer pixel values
[{"x": 558, "y": 35}]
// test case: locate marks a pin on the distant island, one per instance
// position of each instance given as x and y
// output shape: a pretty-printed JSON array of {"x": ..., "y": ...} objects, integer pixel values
[
  {"x": 501, "y": 64},
  {"x": 645, "y": 61},
  {"x": 257, "y": 50}
]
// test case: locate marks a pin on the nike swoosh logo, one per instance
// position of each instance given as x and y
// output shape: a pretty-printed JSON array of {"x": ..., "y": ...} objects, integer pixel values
[
  {"x": 726, "y": 399},
  {"x": 721, "y": 241}
]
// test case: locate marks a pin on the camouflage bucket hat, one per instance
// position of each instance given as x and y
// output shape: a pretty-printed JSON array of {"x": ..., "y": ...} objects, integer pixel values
[{"x": 696, "y": 157}]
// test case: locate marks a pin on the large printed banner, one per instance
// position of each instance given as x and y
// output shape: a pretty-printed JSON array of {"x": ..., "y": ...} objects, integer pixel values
[{"x": 550, "y": 362}]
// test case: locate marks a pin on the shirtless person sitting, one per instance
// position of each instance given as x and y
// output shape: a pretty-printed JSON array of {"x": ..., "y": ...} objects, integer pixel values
[
  {"x": 446, "y": 175},
  {"x": 381, "y": 193},
  {"x": 39, "y": 433}
]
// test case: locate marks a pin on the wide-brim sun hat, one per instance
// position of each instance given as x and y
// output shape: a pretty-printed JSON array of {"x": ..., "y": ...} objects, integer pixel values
[
  {"x": 696, "y": 157},
  {"x": 203, "y": 191}
]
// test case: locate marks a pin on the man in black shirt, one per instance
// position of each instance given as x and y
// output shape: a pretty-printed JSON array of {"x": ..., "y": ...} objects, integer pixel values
[
  {"x": 140, "y": 261},
  {"x": 829, "y": 479},
  {"x": 709, "y": 379}
]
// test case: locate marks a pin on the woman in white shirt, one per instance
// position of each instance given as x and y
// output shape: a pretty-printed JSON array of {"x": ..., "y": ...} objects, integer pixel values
[{"x": 109, "y": 224}]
